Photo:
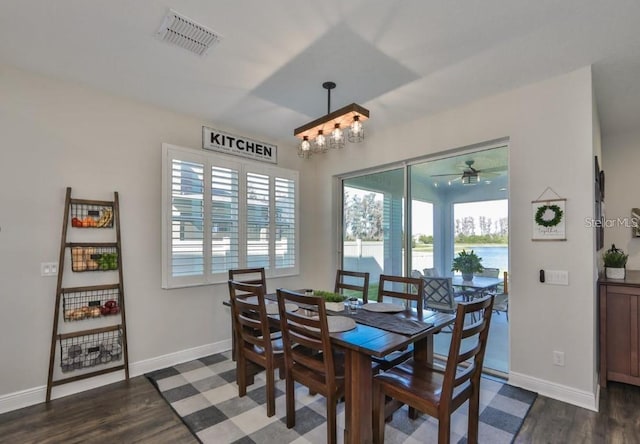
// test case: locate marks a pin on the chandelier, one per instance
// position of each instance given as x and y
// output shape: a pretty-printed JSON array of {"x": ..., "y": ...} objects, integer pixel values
[{"x": 328, "y": 131}]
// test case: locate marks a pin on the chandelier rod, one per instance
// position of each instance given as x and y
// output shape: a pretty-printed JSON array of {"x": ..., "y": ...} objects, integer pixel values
[{"x": 329, "y": 86}]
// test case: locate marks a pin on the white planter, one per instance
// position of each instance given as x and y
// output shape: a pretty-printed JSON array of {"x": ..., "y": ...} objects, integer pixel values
[
  {"x": 334, "y": 306},
  {"x": 614, "y": 273}
]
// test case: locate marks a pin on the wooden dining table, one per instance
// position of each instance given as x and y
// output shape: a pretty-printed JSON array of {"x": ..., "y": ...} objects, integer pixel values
[{"x": 364, "y": 342}]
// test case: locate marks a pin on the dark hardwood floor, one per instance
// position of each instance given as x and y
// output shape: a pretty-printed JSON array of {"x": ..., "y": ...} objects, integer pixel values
[
  {"x": 134, "y": 412},
  {"x": 123, "y": 412},
  {"x": 617, "y": 422}
]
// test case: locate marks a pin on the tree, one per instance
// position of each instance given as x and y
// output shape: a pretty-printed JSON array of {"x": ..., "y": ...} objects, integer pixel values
[{"x": 363, "y": 216}]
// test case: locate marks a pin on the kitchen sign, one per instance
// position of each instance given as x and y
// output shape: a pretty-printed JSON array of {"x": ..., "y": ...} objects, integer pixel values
[{"x": 226, "y": 143}]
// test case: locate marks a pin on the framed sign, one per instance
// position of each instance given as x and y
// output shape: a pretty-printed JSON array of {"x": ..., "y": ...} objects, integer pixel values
[
  {"x": 216, "y": 140},
  {"x": 549, "y": 220}
]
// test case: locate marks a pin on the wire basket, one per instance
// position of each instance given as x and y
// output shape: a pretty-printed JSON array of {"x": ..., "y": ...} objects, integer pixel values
[{"x": 89, "y": 350}]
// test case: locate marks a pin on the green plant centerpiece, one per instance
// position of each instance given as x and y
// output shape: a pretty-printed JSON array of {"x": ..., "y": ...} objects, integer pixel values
[
  {"x": 332, "y": 301},
  {"x": 615, "y": 261},
  {"x": 467, "y": 264}
]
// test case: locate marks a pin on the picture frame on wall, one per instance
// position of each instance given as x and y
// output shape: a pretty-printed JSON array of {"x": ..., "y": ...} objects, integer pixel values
[
  {"x": 635, "y": 222},
  {"x": 599, "y": 205},
  {"x": 549, "y": 217}
]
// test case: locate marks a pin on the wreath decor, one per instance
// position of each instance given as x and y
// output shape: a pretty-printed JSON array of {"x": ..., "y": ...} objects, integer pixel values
[{"x": 557, "y": 216}]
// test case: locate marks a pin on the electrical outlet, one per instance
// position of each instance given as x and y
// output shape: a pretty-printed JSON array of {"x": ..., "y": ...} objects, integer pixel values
[
  {"x": 556, "y": 277},
  {"x": 49, "y": 269},
  {"x": 558, "y": 358}
]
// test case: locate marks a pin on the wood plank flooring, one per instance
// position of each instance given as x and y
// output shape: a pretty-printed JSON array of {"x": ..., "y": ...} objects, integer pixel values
[
  {"x": 134, "y": 412},
  {"x": 122, "y": 412}
]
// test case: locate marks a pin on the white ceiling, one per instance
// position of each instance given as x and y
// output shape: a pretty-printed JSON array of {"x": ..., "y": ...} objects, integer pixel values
[{"x": 399, "y": 58}]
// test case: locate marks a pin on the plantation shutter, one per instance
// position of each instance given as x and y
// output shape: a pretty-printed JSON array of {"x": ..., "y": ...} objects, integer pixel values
[
  {"x": 285, "y": 209},
  {"x": 187, "y": 218},
  {"x": 257, "y": 220},
  {"x": 224, "y": 219}
]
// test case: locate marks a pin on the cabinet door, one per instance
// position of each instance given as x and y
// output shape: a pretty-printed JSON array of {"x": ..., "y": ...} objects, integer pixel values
[{"x": 622, "y": 334}]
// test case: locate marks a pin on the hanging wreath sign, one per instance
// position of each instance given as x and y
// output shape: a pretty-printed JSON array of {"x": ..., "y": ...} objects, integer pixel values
[{"x": 549, "y": 219}]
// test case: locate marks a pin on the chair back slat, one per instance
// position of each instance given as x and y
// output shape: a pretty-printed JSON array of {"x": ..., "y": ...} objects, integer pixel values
[
  {"x": 357, "y": 281},
  {"x": 476, "y": 335},
  {"x": 254, "y": 276},
  {"x": 409, "y": 289}
]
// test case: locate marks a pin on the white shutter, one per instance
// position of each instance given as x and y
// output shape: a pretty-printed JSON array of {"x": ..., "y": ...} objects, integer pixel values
[
  {"x": 224, "y": 219},
  {"x": 187, "y": 218},
  {"x": 257, "y": 229},
  {"x": 285, "y": 212}
]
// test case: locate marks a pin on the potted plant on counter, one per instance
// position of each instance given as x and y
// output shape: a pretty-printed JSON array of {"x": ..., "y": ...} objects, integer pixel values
[
  {"x": 615, "y": 261},
  {"x": 467, "y": 264}
]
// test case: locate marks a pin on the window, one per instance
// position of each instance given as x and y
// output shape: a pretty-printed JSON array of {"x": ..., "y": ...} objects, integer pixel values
[{"x": 220, "y": 214}]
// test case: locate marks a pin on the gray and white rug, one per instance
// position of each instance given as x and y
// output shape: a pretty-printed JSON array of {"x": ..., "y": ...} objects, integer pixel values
[{"x": 204, "y": 394}]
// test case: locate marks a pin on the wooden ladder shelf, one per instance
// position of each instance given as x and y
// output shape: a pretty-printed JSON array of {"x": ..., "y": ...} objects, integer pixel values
[{"x": 92, "y": 338}]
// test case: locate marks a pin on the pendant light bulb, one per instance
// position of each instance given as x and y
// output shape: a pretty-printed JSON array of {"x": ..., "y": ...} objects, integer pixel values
[
  {"x": 337, "y": 137},
  {"x": 320, "y": 142},
  {"x": 356, "y": 130}
]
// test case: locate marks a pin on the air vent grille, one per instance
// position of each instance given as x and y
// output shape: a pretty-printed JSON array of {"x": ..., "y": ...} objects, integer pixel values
[{"x": 184, "y": 32}]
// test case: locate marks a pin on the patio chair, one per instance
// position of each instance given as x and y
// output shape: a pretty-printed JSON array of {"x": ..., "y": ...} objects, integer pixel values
[
  {"x": 439, "y": 294},
  {"x": 435, "y": 392},
  {"x": 501, "y": 302}
]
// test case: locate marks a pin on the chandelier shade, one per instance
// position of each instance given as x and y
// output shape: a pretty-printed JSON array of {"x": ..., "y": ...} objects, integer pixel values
[{"x": 332, "y": 129}]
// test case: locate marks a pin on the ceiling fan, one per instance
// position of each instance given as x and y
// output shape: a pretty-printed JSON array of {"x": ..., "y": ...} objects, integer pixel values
[{"x": 470, "y": 175}]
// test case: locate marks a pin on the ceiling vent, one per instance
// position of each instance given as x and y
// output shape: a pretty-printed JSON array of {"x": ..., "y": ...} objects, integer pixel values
[{"x": 186, "y": 33}]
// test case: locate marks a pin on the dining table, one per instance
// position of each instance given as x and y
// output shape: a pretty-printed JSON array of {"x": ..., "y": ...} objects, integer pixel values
[
  {"x": 377, "y": 333},
  {"x": 479, "y": 285}
]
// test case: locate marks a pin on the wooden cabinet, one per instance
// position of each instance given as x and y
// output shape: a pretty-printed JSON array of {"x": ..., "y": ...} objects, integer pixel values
[{"x": 620, "y": 329}]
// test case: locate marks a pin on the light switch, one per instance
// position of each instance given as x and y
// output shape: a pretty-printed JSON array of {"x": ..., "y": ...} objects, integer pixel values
[
  {"x": 556, "y": 277},
  {"x": 49, "y": 269}
]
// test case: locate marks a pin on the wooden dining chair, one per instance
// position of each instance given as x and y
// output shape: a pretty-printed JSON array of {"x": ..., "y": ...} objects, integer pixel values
[
  {"x": 309, "y": 359},
  {"x": 348, "y": 282},
  {"x": 253, "y": 340},
  {"x": 409, "y": 289},
  {"x": 254, "y": 276},
  {"x": 501, "y": 301},
  {"x": 438, "y": 393}
]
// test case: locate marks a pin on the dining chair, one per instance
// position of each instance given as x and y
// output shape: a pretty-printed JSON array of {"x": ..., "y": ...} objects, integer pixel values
[
  {"x": 489, "y": 272},
  {"x": 253, "y": 340},
  {"x": 351, "y": 281},
  {"x": 254, "y": 276},
  {"x": 309, "y": 359},
  {"x": 501, "y": 301},
  {"x": 439, "y": 294},
  {"x": 433, "y": 391},
  {"x": 249, "y": 276},
  {"x": 409, "y": 289},
  {"x": 430, "y": 272}
]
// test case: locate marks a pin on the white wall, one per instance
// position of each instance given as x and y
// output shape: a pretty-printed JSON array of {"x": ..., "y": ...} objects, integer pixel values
[
  {"x": 621, "y": 158},
  {"x": 55, "y": 135},
  {"x": 549, "y": 125}
]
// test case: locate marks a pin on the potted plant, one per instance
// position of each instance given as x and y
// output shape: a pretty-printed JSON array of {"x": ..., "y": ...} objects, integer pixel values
[
  {"x": 332, "y": 301},
  {"x": 467, "y": 264},
  {"x": 615, "y": 261}
]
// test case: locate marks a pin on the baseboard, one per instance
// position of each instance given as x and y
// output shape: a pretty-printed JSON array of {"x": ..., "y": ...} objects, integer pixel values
[
  {"x": 35, "y": 395},
  {"x": 559, "y": 392}
]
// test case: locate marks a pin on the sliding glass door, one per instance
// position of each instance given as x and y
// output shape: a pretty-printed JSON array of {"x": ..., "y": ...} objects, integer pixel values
[
  {"x": 412, "y": 220},
  {"x": 373, "y": 224}
]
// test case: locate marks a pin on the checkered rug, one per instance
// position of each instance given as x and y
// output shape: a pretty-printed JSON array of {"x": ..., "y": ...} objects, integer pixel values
[{"x": 204, "y": 394}]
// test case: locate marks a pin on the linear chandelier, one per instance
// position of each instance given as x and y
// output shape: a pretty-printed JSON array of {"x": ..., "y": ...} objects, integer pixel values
[{"x": 327, "y": 132}]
